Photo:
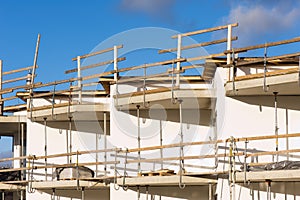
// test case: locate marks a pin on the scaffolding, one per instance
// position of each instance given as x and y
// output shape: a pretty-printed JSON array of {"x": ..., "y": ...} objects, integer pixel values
[{"x": 63, "y": 108}]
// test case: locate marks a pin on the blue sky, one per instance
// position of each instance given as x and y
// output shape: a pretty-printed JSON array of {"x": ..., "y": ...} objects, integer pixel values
[
  {"x": 5, "y": 150},
  {"x": 71, "y": 28}
]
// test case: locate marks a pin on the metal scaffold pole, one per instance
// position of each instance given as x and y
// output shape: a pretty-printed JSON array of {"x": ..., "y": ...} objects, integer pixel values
[
  {"x": 245, "y": 162},
  {"x": 45, "y": 148},
  {"x": 229, "y": 45},
  {"x": 53, "y": 194},
  {"x": 161, "y": 151},
  {"x": 276, "y": 123},
  {"x": 70, "y": 125},
  {"x": 147, "y": 193},
  {"x": 269, "y": 195},
  {"x": 22, "y": 161},
  {"x": 181, "y": 153},
  {"x": 21, "y": 195},
  {"x": 210, "y": 192},
  {"x": 287, "y": 132},
  {"x": 179, "y": 40},
  {"x": 22, "y": 149},
  {"x": 97, "y": 154},
  {"x": 79, "y": 79},
  {"x": 105, "y": 143},
  {"x": 232, "y": 169},
  {"x": 67, "y": 145},
  {"x": 116, "y": 74},
  {"x": 33, "y": 72},
  {"x": 35, "y": 57},
  {"x": 116, "y": 63},
  {"x": 161, "y": 143},
  {"x": 82, "y": 193},
  {"x": 139, "y": 137},
  {"x": 71, "y": 138},
  {"x": 265, "y": 86},
  {"x": 138, "y": 193}
]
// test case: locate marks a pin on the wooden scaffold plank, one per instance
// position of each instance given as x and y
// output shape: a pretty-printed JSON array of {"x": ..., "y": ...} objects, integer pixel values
[
  {"x": 97, "y": 52},
  {"x": 205, "y": 30}
]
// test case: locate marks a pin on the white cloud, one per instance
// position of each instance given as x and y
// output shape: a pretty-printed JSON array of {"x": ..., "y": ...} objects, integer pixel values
[{"x": 260, "y": 20}]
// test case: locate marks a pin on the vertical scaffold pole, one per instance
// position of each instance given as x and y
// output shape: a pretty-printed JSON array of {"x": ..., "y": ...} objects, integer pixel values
[
  {"x": 229, "y": 46},
  {"x": 144, "y": 88},
  {"x": 276, "y": 123},
  {"x": 46, "y": 148},
  {"x": 53, "y": 194},
  {"x": 71, "y": 138},
  {"x": 33, "y": 72},
  {"x": 79, "y": 79},
  {"x": 181, "y": 153},
  {"x": 116, "y": 63},
  {"x": 232, "y": 169},
  {"x": 245, "y": 162},
  {"x": 1, "y": 74},
  {"x": 215, "y": 130},
  {"x": 22, "y": 195},
  {"x": 287, "y": 132},
  {"x": 233, "y": 164},
  {"x": 105, "y": 143},
  {"x": 181, "y": 134},
  {"x": 161, "y": 143},
  {"x": 22, "y": 149},
  {"x": 138, "y": 193},
  {"x": 67, "y": 145},
  {"x": 269, "y": 196},
  {"x": 210, "y": 192},
  {"x": 147, "y": 192},
  {"x": 179, "y": 40},
  {"x": 97, "y": 154},
  {"x": 265, "y": 87},
  {"x": 35, "y": 57},
  {"x": 22, "y": 154},
  {"x": 116, "y": 74},
  {"x": 139, "y": 137},
  {"x": 82, "y": 193}
]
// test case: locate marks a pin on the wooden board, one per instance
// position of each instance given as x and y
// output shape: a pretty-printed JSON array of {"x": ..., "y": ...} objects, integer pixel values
[
  {"x": 94, "y": 65},
  {"x": 14, "y": 108},
  {"x": 203, "y": 44},
  {"x": 205, "y": 30},
  {"x": 259, "y": 46},
  {"x": 284, "y": 60},
  {"x": 16, "y": 79},
  {"x": 98, "y": 52},
  {"x": 268, "y": 74},
  {"x": 18, "y": 70}
]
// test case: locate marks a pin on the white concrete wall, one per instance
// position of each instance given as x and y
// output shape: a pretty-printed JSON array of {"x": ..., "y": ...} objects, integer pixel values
[
  {"x": 236, "y": 119},
  {"x": 244, "y": 120}
]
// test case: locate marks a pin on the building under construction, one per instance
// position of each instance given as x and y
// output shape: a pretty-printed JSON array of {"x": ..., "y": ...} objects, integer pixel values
[{"x": 218, "y": 125}]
